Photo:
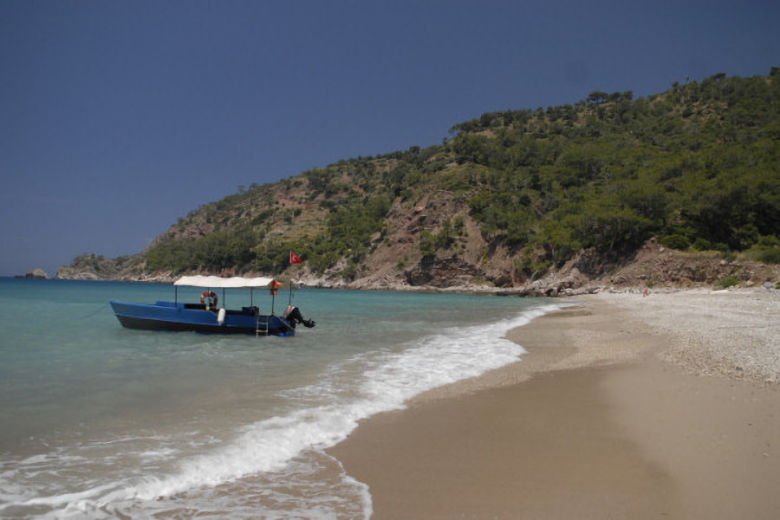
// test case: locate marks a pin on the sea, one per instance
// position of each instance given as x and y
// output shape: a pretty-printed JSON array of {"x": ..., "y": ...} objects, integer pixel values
[{"x": 99, "y": 421}]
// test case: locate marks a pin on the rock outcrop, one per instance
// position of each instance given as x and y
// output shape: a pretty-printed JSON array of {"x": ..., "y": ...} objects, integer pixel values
[
  {"x": 98, "y": 267},
  {"x": 36, "y": 273}
]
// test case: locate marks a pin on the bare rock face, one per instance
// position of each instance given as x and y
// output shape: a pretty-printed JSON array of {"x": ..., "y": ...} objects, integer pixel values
[
  {"x": 442, "y": 272},
  {"x": 66, "y": 273}
]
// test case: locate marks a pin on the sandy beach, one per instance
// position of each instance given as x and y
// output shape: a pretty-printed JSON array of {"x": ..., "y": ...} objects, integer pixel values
[{"x": 625, "y": 406}]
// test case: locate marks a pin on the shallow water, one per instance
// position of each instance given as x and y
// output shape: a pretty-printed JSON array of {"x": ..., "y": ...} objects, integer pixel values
[{"x": 102, "y": 421}]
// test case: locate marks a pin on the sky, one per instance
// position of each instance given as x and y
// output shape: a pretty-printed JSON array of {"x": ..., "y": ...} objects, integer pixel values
[{"x": 119, "y": 117}]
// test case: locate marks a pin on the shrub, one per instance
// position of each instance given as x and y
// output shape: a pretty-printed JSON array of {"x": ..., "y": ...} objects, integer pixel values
[
  {"x": 767, "y": 256},
  {"x": 729, "y": 281},
  {"x": 676, "y": 242},
  {"x": 427, "y": 243}
]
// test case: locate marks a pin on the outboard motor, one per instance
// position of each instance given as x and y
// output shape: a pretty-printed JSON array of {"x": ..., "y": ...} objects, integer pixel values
[{"x": 293, "y": 315}]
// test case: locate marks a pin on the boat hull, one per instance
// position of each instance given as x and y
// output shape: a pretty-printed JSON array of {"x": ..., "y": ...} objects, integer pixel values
[{"x": 172, "y": 316}]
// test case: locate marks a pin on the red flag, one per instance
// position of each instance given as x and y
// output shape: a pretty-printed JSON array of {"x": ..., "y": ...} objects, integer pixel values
[{"x": 295, "y": 259}]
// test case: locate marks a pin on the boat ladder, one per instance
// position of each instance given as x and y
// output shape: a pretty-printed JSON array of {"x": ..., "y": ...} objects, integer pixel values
[{"x": 259, "y": 329}]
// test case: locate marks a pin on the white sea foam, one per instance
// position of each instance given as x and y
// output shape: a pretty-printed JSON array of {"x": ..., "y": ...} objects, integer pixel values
[{"x": 327, "y": 412}]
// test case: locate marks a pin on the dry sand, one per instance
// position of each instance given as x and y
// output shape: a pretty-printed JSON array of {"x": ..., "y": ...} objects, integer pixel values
[{"x": 613, "y": 413}]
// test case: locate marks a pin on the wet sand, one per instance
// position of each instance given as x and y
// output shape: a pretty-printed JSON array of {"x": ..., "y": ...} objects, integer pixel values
[{"x": 596, "y": 421}]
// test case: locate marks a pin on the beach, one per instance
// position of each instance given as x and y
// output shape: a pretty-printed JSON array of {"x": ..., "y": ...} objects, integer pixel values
[{"x": 624, "y": 406}]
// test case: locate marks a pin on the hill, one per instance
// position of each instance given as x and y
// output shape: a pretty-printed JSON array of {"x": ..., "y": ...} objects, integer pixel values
[{"x": 518, "y": 198}]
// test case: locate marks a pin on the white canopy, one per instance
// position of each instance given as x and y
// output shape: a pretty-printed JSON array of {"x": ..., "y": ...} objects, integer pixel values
[{"x": 217, "y": 282}]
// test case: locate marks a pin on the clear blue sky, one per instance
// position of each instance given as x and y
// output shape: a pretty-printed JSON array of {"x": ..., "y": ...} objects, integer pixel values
[{"x": 118, "y": 117}]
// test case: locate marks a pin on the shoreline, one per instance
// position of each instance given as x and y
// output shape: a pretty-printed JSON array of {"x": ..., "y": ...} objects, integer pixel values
[{"x": 613, "y": 411}]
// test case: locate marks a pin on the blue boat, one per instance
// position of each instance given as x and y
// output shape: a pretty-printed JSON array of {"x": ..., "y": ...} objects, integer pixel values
[{"x": 207, "y": 316}]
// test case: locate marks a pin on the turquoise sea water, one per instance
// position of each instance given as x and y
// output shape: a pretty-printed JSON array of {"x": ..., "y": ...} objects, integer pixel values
[{"x": 100, "y": 421}]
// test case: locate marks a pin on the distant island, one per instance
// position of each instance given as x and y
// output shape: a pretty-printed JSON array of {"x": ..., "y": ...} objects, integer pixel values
[
  {"x": 680, "y": 188},
  {"x": 35, "y": 273}
]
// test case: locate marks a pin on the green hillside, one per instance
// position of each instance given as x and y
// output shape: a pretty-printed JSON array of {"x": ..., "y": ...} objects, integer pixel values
[{"x": 697, "y": 166}]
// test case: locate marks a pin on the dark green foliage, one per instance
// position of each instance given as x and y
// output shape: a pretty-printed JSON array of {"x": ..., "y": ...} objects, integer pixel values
[
  {"x": 698, "y": 164},
  {"x": 349, "y": 232},
  {"x": 702, "y": 244},
  {"x": 273, "y": 256},
  {"x": 766, "y": 250},
  {"x": 213, "y": 252},
  {"x": 427, "y": 243},
  {"x": 505, "y": 215},
  {"x": 767, "y": 255},
  {"x": 611, "y": 229},
  {"x": 430, "y": 243},
  {"x": 676, "y": 242},
  {"x": 729, "y": 281}
]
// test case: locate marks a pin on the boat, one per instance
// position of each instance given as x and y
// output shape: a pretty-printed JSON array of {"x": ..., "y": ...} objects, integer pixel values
[{"x": 207, "y": 316}]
